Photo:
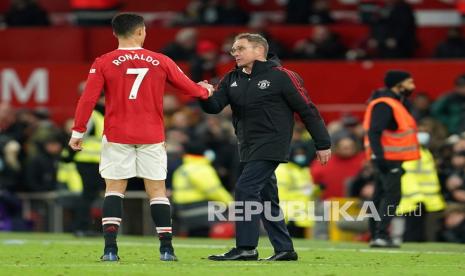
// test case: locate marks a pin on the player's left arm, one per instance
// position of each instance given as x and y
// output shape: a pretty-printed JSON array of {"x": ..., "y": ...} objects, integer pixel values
[
  {"x": 86, "y": 104},
  {"x": 297, "y": 98}
]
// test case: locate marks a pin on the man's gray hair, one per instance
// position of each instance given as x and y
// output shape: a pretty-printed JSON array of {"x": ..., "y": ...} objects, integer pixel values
[{"x": 254, "y": 38}]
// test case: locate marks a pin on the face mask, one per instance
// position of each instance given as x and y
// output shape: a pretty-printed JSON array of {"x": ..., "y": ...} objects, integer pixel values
[
  {"x": 406, "y": 92},
  {"x": 300, "y": 159},
  {"x": 210, "y": 155},
  {"x": 423, "y": 138}
]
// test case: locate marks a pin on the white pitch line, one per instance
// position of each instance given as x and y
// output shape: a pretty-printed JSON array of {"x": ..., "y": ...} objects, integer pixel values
[
  {"x": 215, "y": 264},
  {"x": 207, "y": 246}
]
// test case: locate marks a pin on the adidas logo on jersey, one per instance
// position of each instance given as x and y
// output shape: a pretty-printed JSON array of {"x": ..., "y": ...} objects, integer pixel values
[{"x": 234, "y": 84}]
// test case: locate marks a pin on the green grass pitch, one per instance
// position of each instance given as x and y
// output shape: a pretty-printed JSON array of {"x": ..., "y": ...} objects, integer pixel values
[{"x": 61, "y": 254}]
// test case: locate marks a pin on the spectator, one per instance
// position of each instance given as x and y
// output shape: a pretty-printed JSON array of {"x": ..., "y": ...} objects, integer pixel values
[
  {"x": 455, "y": 181},
  {"x": 41, "y": 170},
  {"x": 185, "y": 120},
  {"x": 438, "y": 134},
  {"x": 362, "y": 186},
  {"x": 210, "y": 12},
  {"x": 171, "y": 104},
  {"x": 175, "y": 138},
  {"x": 184, "y": 46},
  {"x": 454, "y": 224},
  {"x": 422, "y": 203},
  {"x": 11, "y": 213},
  {"x": 190, "y": 16},
  {"x": 295, "y": 189},
  {"x": 320, "y": 13},
  {"x": 40, "y": 127},
  {"x": 25, "y": 13},
  {"x": 450, "y": 108},
  {"x": 298, "y": 11},
  {"x": 10, "y": 165},
  {"x": 393, "y": 30},
  {"x": 260, "y": 26},
  {"x": 345, "y": 164},
  {"x": 323, "y": 44},
  {"x": 203, "y": 66},
  {"x": 421, "y": 106},
  {"x": 349, "y": 125},
  {"x": 218, "y": 135},
  {"x": 225, "y": 56},
  {"x": 453, "y": 46},
  {"x": 195, "y": 183},
  {"x": 8, "y": 122},
  {"x": 400, "y": 40},
  {"x": 232, "y": 14},
  {"x": 10, "y": 169}
]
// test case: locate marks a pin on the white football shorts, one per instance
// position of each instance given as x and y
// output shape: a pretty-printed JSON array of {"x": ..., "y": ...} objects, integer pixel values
[{"x": 123, "y": 161}]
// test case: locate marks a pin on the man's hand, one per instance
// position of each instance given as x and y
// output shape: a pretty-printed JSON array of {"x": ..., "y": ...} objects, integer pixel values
[
  {"x": 75, "y": 144},
  {"x": 323, "y": 156},
  {"x": 386, "y": 166},
  {"x": 208, "y": 86}
]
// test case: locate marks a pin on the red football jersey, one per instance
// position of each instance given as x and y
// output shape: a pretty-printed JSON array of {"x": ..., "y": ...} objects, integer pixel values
[{"x": 133, "y": 80}]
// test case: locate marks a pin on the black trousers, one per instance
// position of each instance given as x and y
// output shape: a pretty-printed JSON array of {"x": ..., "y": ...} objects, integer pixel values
[
  {"x": 92, "y": 184},
  {"x": 386, "y": 198},
  {"x": 257, "y": 183}
]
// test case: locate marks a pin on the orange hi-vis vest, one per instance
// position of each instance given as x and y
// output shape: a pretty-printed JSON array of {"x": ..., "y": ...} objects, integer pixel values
[{"x": 401, "y": 144}]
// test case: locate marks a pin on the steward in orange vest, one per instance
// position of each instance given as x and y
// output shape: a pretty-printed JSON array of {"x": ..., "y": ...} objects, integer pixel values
[{"x": 390, "y": 139}]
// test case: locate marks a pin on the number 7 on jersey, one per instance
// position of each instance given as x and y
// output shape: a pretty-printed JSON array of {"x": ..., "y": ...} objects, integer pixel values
[{"x": 140, "y": 72}]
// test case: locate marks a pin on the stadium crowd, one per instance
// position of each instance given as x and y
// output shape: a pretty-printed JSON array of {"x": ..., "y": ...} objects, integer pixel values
[{"x": 33, "y": 155}]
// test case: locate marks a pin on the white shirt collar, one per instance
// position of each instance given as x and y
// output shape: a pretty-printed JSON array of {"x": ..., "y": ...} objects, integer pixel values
[{"x": 130, "y": 48}]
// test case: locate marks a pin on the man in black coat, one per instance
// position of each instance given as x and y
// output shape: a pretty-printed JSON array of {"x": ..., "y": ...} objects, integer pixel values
[{"x": 263, "y": 97}]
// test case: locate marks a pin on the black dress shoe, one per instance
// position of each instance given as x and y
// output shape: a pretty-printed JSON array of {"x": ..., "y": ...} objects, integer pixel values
[
  {"x": 283, "y": 256},
  {"x": 236, "y": 254}
]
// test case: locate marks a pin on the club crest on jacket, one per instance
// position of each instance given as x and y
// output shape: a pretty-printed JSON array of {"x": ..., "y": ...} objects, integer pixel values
[{"x": 263, "y": 84}]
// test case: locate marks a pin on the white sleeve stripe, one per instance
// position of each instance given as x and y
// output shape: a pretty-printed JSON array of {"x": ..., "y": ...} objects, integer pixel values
[{"x": 77, "y": 135}]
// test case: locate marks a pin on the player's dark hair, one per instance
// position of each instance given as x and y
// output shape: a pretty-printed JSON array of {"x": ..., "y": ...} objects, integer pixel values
[{"x": 124, "y": 24}]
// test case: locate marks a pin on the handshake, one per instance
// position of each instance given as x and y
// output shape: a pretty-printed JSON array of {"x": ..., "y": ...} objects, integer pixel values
[{"x": 208, "y": 86}]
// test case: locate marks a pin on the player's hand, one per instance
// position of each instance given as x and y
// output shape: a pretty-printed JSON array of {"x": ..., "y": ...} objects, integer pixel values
[
  {"x": 75, "y": 144},
  {"x": 323, "y": 156},
  {"x": 208, "y": 86}
]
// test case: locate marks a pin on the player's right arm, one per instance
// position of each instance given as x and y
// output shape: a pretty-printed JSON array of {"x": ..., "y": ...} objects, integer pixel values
[
  {"x": 86, "y": 104},
  {"x": 179, "y": 80},
  {"x": 218, "y": 100}
]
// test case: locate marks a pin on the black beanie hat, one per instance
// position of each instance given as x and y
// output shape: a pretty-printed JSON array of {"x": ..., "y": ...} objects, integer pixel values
[{"x": 394, "y": 77}]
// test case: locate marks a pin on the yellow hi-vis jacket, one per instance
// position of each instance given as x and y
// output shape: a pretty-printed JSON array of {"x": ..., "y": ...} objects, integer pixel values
[
  {"x": 420, "y": 183},
  {"x": 92, "y": 144},
  {"x": 196, "y": 180},
  {"x": 295, "y": 188},
  {"x": 68, "y": 174}
]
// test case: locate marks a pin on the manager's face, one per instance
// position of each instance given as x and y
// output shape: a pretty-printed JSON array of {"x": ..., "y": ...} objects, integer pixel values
[{"x": 245, "y": 52}]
